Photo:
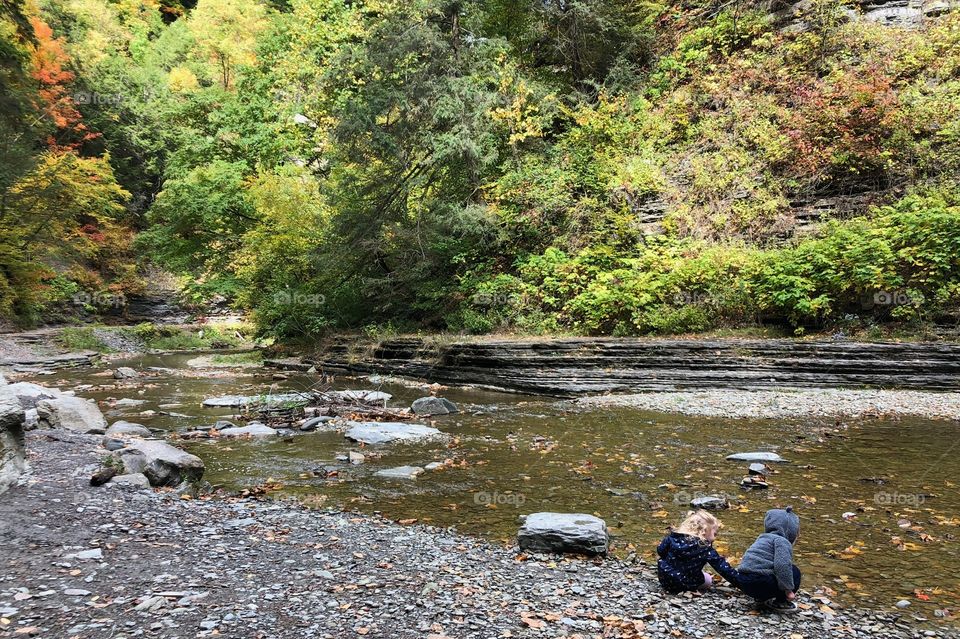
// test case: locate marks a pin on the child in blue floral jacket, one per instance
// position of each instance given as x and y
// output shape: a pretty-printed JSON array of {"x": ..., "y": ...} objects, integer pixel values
[{"x": 685, "y": 551}]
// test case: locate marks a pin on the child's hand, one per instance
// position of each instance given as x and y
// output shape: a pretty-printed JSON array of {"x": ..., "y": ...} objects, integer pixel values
[{"x": 791, "y": 596}]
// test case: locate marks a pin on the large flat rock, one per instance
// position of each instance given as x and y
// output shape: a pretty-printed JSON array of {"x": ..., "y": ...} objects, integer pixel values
[
  {"x": 30, "y": 394},
  {"x": 389, "y": 432},
  {"x": 71, "y": 413},
  {"x": 564, "y": 533}
]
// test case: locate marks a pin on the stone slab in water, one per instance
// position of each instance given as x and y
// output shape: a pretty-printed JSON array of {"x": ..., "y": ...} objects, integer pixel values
[
  {"x": 238, "y": 401},
  {"x": 400, "y": 472},
  {"x": 564, "y": 533},
  {"x": 770, "y": 458},
  {"x": 388, "y": 432},
  {"x": 434, "y": 406},
  {"x": 709, "y": 502},
  {"x": 123, "y": 430},
  {"x": 253, "y": 429}
]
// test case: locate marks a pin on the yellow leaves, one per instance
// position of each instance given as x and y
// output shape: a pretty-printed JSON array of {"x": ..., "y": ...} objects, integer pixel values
[
  {"x": 808, "y": 500},
  {"x": 850, "y": 552},
  {"x": 660, "y": 514}
]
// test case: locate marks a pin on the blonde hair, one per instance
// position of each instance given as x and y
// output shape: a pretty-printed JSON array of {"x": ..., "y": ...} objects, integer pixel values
[{"x": 698, "y": 523}]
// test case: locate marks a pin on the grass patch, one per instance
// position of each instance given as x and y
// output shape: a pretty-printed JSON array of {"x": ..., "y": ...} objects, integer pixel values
[
  {"x": 254, "y": 357},
  {"x": 82, "y": 339}
]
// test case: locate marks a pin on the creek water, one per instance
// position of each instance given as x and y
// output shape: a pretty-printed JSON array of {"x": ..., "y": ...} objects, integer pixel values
[{"x": 895, "y": 479}]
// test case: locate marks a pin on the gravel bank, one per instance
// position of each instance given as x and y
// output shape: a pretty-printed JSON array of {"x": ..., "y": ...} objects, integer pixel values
[
  {"x": 123, "y": 562},
  {"x": 790, "y": 403}
]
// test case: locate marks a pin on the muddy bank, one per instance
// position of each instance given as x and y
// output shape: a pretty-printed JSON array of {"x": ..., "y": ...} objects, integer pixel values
[
  {"x": 127, "y": 562},
  {"x": 582, "y": 366}
]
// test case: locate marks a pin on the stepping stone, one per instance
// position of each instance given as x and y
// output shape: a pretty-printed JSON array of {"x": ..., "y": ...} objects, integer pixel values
[{"x": 772, "y": 458}]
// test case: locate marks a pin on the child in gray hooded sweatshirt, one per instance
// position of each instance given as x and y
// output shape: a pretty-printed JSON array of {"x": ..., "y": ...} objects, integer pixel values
[{"x": 767, "y": 572}]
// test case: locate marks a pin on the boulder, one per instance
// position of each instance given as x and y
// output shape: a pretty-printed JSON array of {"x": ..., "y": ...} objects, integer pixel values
[
  {"x": 253, "y": 429},
  {"x": 388, "y": 432},
  {"x": 434, "y": 406},
  {"x": 123, "y": 430},
  {"x": 125, "y": 372},
  {"x": 400, "y": 472},
  {"x": 30, "y": 394},
  {"x": 355, "y": 458},
  {"x": 757, "y": 457},
  {"x": 71, "y": 413},
  {"x": 758, "y": 468},
  {"x": 709, "y": 502},
  {"x": 564, "y": 533},
  {"x": 12, "y": 454},
  {"x": 163, "y": 464}
]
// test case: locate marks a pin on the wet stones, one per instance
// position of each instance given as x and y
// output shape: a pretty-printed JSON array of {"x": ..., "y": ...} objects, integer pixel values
[
  {"x": 577, "y": 533},
  {"x": 71, "y": 413},
  {"x": 239, "y": 401},
  {"x": 426, "y": 406},
  {"x": 125, "y": 372},
  {"x": 389, "y": 432}
]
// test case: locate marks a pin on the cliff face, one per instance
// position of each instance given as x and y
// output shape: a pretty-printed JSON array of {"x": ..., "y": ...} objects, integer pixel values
[
  {"x": 12, "y": 456},
  {"x": 571, "y": 367}
]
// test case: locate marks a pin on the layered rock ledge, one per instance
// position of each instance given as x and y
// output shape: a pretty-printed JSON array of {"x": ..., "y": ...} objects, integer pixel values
[{"x": 584, "y": 366}]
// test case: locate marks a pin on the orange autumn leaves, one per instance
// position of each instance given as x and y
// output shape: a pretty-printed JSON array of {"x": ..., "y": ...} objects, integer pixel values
[{"x": 49, "y": 62}]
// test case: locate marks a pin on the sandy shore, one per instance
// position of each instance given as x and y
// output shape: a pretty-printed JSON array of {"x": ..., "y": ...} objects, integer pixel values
[{"x": 790, "y": 403}]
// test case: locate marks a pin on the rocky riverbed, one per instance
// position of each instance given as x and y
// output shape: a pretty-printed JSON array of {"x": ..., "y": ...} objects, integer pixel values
[
  {"x": 125, "y": 561},
  {"x": 770, "y": 404}
]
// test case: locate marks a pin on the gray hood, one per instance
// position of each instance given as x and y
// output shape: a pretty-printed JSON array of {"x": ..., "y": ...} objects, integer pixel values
[{"x": 783, "y": 522}]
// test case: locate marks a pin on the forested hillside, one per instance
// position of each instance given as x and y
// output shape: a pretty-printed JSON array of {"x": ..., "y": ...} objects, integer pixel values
[{"x": 587, "y": 166}]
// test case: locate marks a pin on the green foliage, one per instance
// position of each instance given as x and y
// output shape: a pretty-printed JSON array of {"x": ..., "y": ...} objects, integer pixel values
[{"x": 82, "y": 339}]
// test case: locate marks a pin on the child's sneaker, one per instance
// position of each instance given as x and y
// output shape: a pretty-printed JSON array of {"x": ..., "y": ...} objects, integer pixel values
[{"x": 780, "y": 606}]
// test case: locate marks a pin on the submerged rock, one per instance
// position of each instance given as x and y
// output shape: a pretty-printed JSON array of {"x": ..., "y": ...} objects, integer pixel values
[
  {"x": 564, "y": 533},
  {"x": 757, "y": 457},
  {"x": 71, "y": 413},
  {"x": 388, "y": 432},
  {"x": 400, "y": 472},
  {"x": 434, "y": 406},
  {"x": 163, "y": 464}
]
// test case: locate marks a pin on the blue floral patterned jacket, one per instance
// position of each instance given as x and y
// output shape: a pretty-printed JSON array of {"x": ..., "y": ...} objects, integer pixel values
[{"x": 682, "y": 558}]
